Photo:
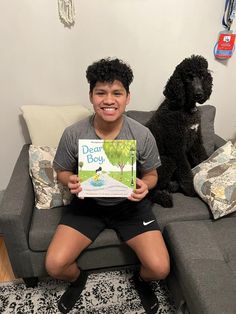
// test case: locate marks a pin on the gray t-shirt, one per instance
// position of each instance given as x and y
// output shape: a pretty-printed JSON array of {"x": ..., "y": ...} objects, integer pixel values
[{"x": 147, "y": 155}]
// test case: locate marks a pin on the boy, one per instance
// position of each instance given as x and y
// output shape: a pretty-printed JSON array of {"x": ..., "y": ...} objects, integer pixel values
[{"x": 131, "y": 218}]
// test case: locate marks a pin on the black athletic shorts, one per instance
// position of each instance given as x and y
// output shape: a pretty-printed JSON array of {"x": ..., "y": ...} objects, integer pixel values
[{"x": 127, "y": 218}]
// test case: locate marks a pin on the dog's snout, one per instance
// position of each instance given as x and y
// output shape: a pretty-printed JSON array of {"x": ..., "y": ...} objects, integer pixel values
[
  {"x": 199, "y": 92},
  {"x": 197, "y": 85}
]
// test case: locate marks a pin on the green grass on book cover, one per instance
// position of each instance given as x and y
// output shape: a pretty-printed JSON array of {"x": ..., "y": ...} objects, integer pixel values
[{"x": 107, "y": 168}]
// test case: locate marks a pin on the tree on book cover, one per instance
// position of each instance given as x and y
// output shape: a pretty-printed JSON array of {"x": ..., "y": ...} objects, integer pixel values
[{"x": 107, "y": 168}]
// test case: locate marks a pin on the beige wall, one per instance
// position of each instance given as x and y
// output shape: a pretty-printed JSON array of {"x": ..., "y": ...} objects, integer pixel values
[{"x": 42, "y": 62}]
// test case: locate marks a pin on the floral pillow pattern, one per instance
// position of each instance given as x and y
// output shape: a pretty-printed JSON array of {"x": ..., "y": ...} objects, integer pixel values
[
  {"x": 49, "y": 193},
  {"x": 215, "y": 180}
]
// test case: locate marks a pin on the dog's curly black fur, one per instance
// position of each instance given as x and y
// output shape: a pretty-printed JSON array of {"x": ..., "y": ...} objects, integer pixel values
[{"x": 177, "y": 129}]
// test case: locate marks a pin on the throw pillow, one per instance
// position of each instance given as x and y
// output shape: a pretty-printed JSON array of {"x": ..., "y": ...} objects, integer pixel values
[
  {"x": 47, "y": 123},
  {"x": 49, "y": 193},
  {"x": 215, "y": 180}
]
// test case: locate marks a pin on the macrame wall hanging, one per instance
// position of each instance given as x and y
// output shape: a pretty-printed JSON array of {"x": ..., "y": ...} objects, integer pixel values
[{"x": 67, "y": 12}]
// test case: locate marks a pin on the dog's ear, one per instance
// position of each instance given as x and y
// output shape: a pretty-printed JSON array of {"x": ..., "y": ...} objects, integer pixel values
[
  {"x": 207, "y": 86},
  {"x": 175, "y": 92}
]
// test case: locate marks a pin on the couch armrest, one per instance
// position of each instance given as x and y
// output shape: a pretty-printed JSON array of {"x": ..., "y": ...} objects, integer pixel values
[
  {"x": 218, "y": 141},
  {"x": 16, "y": 210}
]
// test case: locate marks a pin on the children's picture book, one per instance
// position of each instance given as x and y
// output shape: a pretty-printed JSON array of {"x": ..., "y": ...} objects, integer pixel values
[{"x": 107, "y": 168}]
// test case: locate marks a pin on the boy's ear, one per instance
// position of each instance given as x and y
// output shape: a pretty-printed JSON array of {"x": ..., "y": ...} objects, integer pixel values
[{"x": 90, "y": 97}]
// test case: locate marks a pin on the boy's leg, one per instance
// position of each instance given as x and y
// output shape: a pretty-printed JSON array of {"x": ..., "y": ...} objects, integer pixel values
[
  {"x": 64, "y": 249},
  {"x": 66, "y": 246},
  {"x": 137, "y": 226},
  {"x": 152, "y": 253},
  {"x": 78, "y": 227}
]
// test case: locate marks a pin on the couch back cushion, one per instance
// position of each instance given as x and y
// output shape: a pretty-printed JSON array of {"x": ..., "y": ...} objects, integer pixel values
[
  {"x": 46, "y": 124},
  {"x": 207, "y": 123}
]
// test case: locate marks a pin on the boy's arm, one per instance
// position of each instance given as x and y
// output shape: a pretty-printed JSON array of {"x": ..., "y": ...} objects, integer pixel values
[
  {"x": 71, "y": 180},
  {"x": 150, "y": 178},
  {"x": 148, "y": 181}
]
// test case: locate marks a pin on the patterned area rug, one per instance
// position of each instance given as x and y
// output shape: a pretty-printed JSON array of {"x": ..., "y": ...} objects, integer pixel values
[{"x": 106, "y": 293}]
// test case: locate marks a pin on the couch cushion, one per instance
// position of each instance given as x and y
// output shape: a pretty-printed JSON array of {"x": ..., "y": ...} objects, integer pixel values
[
  {"x": 207, "y": 123},
  {"x": 45, "y": 222},
  {"x": 203, "y": 257},
  {"x": 207, "y": 127},
  {"x": 141, "y": 116},
  {"x": 43, "y": 226},
  {"x": 185, "y": 208}
]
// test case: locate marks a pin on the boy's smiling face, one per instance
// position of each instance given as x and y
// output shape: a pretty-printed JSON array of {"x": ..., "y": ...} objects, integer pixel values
[{"x": 109, "y": 100}]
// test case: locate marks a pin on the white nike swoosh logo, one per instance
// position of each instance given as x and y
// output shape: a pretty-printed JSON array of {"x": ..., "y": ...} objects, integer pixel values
[{"x": 145, "y": 223}]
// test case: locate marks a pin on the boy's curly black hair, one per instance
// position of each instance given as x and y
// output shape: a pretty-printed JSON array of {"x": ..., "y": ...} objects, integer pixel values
[{"x": 109, "y": 70}]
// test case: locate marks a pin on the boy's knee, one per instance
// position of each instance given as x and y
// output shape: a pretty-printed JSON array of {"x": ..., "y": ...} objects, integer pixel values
[
  {"x": 160, "y": 268},
  {"x": 54, "y": 266},
  {"x": 164, "y": 270}
]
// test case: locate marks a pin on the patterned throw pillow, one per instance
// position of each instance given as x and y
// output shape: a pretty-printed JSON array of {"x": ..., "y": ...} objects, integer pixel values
[
  {"x": 215, "y": 180},
  {"x": 48, "y": 191}
]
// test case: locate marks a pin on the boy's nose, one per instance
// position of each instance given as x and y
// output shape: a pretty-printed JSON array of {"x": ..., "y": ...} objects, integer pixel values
[{"x": 109, "y": 99}]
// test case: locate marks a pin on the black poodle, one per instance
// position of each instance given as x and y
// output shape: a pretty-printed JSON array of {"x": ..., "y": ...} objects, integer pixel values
[{"x": 177, "y": 130}]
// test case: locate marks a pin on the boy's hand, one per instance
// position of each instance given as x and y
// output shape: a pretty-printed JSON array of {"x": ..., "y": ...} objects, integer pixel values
[
  {"x": 74, "y": 184},
  {"x": 140, "y": 192}
]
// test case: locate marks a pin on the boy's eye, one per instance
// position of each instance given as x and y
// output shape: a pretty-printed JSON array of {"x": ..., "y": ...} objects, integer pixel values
[{"x": 118, "y": 93}]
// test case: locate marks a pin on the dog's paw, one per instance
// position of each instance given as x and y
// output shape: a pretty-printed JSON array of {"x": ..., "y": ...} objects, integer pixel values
[
  {"x": 167, "y": 201},
  {"x": 162, "y": 197},
  {"x": 189, "y": 190},
  {"x": 173, "y": 186}
]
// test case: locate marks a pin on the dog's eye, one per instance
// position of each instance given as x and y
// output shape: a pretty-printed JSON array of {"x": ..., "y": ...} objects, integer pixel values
[
  {"x": 190, "y": 77},
  {"x": 201, "y": 76}
]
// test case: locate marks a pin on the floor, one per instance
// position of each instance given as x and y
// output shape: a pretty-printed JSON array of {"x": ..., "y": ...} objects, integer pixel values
[{"x": 6, "y": 273}]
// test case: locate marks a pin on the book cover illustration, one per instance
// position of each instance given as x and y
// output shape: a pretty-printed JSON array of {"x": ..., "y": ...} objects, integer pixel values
[{"x": 107, "y": 168}]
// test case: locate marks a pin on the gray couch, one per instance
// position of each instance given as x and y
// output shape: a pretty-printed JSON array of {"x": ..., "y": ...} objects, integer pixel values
[{"x": 203, "y": 251}]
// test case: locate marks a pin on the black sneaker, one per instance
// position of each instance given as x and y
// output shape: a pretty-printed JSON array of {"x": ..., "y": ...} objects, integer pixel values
[
  {"x": 147, "y": 296},
  {"x": 71, "y": 295}
]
